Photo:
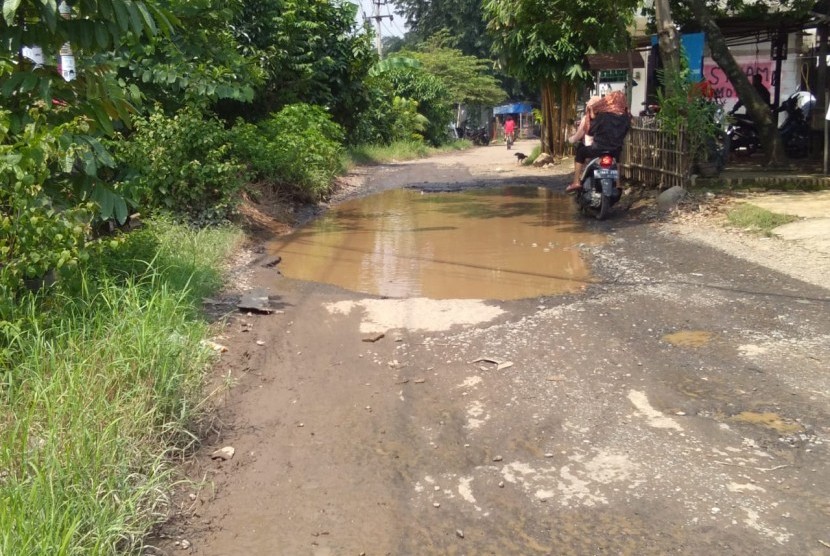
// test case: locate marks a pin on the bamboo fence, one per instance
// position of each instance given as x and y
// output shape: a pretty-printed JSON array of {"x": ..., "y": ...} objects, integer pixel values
[{"x": 655, "y": 158}]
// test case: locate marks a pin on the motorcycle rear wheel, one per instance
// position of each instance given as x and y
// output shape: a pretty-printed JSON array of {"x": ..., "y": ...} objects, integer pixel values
[{"x": 604, "y": 207}]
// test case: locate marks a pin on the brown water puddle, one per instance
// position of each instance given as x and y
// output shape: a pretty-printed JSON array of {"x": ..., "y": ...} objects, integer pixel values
[
  {"x": 507, "y": 243},
  {"x": 689, "y": 338},
  {"x": 769, "y": 420}
]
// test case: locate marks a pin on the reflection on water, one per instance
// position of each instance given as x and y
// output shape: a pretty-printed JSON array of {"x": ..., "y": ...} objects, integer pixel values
[{"x": 507, "y": 243}]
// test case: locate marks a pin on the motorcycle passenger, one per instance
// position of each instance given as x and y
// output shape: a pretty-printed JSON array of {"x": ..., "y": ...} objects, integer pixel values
[{"x": 608, "y": 121}]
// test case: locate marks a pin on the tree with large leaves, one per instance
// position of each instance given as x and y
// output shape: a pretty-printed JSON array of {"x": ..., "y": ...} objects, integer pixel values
[
  {"x": 463, "y": 19},
  {"x": 199, "y": 62},
  {"x": 50, "y": 130},
  {"x": 468, "y": 79},
  {"x": 545, "y": 42},
  {"x": 309, "y": 52}
]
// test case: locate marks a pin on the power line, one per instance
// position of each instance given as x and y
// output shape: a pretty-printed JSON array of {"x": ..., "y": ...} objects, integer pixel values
[{"x": 378, "y": 17}]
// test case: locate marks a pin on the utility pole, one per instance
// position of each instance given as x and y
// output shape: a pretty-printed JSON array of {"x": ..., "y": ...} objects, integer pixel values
[{"x": 376, "y": 4}]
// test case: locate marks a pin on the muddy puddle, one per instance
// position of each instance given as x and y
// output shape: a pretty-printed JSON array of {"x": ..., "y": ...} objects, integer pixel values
[
  {"x": 506, "y": 243},
  {"x": 689, "y": 338}
]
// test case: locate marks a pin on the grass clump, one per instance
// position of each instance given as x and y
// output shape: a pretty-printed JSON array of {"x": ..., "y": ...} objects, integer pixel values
[
  {"x": 98, "y": 384},
  {"x": 757, "y": 219}
]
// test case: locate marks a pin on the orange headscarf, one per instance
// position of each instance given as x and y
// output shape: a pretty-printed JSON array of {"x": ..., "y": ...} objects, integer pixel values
[{"x": 614, "y": 102}]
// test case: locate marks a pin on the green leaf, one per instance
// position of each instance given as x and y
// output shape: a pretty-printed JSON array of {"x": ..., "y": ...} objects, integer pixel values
[
  {"x": 105, "y": 199},
  {"x": 29, "y": 82},
  {"x": 49, "y": 13},
  {"x": 13, "y": 83},
  {"x": 149, "y": 23},
  {"x": 121, "y": 211},
  {"x": 10, "y": 10},
  {"x": 122, "y": 14},
  {"x": 101, "y": 117},
  {"x": 102, "y": 37},
  {"x": 135, "y": 18},
  {"x": 90, "y": 164}
]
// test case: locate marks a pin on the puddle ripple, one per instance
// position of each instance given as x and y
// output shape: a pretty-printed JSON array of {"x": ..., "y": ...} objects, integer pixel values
[{"x": 506, "y": 243}]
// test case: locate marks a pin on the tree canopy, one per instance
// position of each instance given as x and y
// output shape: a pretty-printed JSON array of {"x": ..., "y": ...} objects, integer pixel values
[
  {"x": 462, "y": 19},
  {"x": 468, "y": 79}
]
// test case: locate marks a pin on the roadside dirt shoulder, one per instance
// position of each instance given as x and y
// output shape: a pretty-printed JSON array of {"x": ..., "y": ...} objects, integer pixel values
[{"x": 703, "y": 220}]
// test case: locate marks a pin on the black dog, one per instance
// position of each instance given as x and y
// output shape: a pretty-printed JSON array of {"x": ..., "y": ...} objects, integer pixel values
[{"x": 521, "y": 157}]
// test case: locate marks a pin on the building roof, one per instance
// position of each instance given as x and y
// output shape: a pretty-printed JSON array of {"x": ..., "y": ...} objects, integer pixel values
[
  {"x": 515, "y": 108},
  {"x": 615, "y": 61}
]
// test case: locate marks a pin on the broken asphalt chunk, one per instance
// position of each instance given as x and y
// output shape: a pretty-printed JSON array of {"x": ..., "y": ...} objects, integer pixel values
[{"x": 255, "y": 303}]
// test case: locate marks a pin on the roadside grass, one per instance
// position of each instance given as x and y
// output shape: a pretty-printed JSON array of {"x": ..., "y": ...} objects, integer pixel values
[
  {"x": 534, "y": 154},
  {"x": 403, "y": 150},
  {"x": 757, "y": 219},
  {"x": 99, "y": 382}
]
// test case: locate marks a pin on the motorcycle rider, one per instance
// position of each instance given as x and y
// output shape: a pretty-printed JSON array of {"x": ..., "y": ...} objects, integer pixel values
[
  {"x": 608, "y": 123},
  {"x": 509, "y": 130}
]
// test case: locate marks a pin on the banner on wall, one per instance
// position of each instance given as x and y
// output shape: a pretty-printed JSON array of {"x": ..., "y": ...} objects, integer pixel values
[
  {"x": 692, "y": 45},
  {"x": 723, "y": 87}
]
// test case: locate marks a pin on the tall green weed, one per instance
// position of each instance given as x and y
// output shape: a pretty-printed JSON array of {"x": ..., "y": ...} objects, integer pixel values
[{"x": 98, "y": 384}]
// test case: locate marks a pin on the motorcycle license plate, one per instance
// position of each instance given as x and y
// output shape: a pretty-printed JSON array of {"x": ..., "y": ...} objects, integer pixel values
[{"x": 601, "y": 173}]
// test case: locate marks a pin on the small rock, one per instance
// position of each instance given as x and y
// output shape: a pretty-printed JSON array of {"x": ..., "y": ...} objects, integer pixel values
[
  {"x": 459, "y": 533},
  {"x": 224, "y": 454},
  {"x": 192, "y": 496},
  {"x": 542, "y": 160},
  {"x": 374, "y": 338},
  {"x": 548, "y": 455},
  {"x": 501, "y": 484},
  {"x": 272, "y": 263},
  {"x": 505, "y": 365},
  {"x": 218, "y": 348},
  {"x": 260, "y": 343},
  {"x": 498, "y": 458},
  {"x": 184, "y": 544},
  {"x": 670, "y": 197},
  {"x": 436, "y": 505}
]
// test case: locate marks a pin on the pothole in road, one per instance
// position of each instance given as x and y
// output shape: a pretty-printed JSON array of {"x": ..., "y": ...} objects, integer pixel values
[
  {"x": 505, "y": 243},
  {"x": 689, "y": 338},
  {"x": 770, "y": 421}
]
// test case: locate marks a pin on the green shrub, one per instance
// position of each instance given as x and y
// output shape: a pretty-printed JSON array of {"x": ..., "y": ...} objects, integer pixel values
[
  {"x": 432, "y": 97},
  {"x": 391, "y": 118},
  {"x": 184, "y": 165},
  {"x": 38, "y": 233},
  {"x": 299, "y": 150}
]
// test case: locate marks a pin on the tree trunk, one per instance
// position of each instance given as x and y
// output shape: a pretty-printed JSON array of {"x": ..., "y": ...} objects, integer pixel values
[
  {"x": 669, "y": 40},
  {"x": 755, "y": 106},
  {"x": 821, "y": 79},
  {"x": 548, "y": 133}
]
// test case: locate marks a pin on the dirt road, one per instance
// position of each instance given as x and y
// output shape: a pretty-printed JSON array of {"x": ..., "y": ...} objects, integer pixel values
[{"x": 679, "y": 404}]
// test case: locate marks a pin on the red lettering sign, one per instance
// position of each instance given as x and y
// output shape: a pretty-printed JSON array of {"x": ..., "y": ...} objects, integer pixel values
[{"x": 723, "y": 87}]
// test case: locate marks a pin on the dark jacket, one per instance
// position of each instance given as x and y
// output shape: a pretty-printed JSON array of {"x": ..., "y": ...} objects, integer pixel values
[{"x": 609, "y": 130}]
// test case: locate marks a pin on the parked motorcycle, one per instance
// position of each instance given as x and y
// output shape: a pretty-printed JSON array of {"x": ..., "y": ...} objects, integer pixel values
[
  {"x": 478, "y": 136},
  {"x": 743, "y": 135},
  {"x": 599, "y": 187}
]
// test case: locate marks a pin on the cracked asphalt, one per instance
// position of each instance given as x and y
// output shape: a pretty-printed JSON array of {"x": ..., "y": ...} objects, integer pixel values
[{"x": 678, "y": 404}]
